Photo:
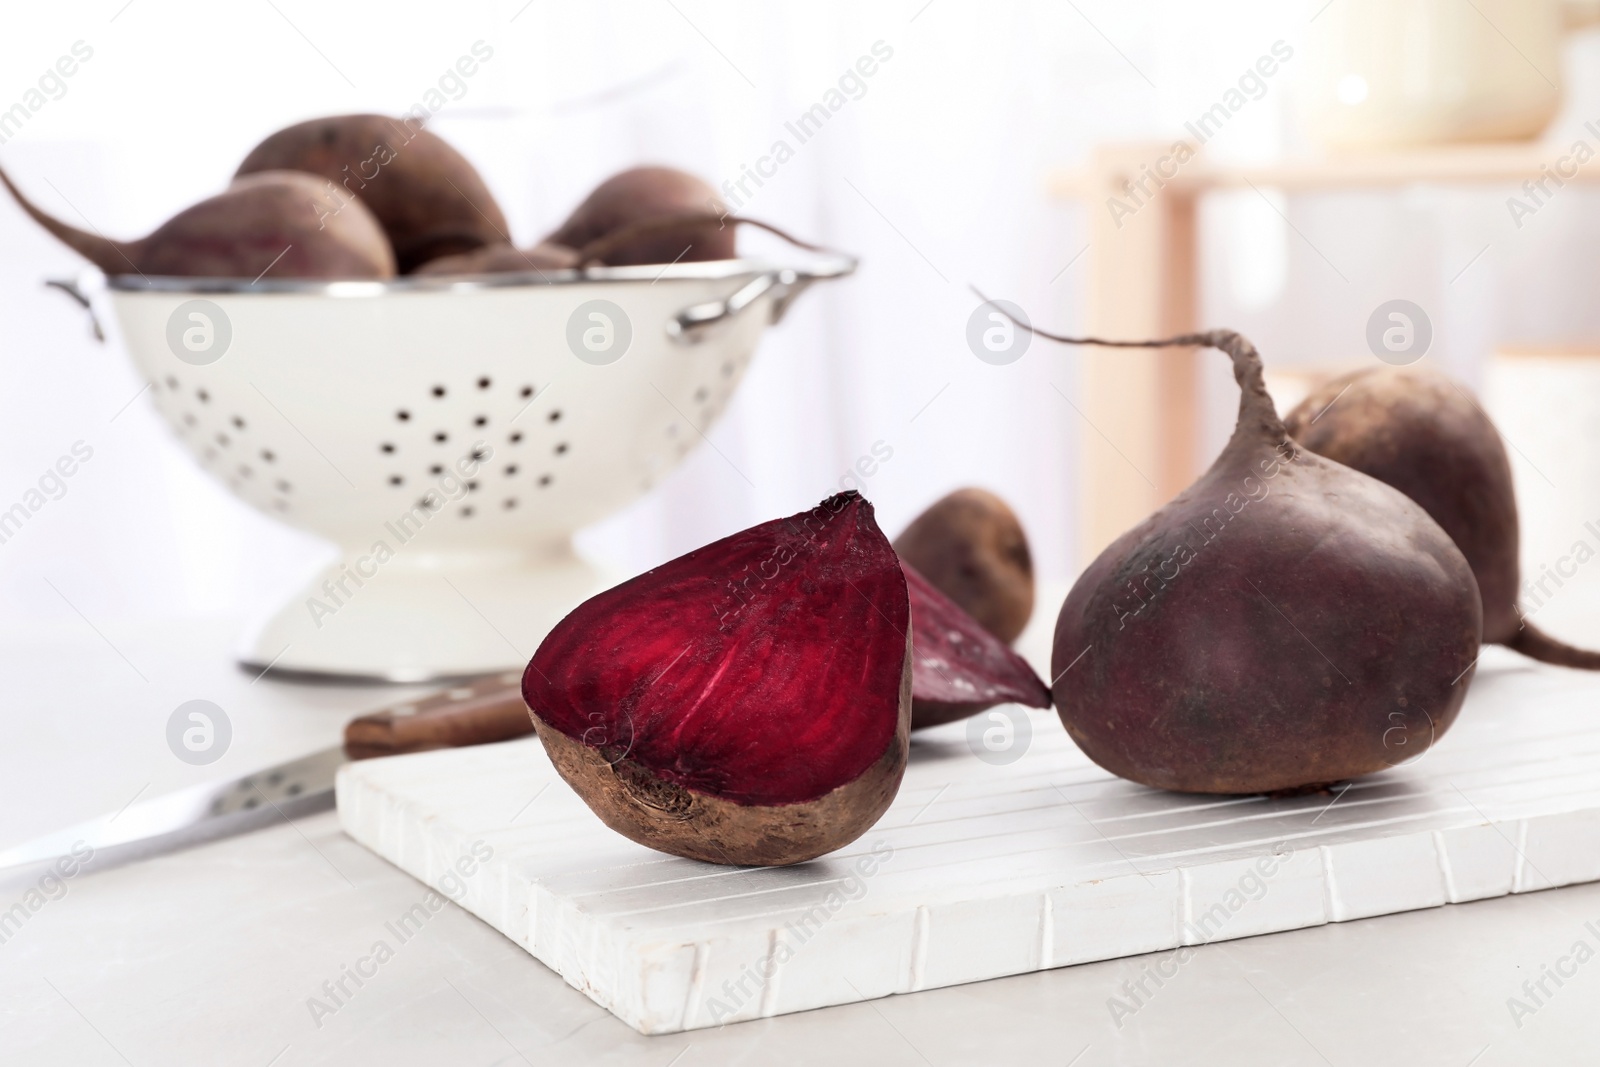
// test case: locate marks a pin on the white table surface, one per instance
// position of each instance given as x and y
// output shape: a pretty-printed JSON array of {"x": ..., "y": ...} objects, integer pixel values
[{"x": 209, "y": 956}]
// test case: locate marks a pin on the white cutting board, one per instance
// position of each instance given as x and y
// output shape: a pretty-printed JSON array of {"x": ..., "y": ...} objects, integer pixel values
[{"x": 980, "y": 871}]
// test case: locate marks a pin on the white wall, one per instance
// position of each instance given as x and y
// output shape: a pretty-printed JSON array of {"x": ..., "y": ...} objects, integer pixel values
[{"x": 935, "y": 177}]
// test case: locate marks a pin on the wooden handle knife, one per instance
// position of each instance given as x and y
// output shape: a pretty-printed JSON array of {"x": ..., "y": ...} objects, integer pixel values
[{"x": 488, "y": 710}]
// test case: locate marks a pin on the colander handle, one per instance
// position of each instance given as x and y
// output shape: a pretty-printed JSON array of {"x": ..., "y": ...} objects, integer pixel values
[
  {"x": 73, "y": 287},
  {"x": 693, "y": 324}
]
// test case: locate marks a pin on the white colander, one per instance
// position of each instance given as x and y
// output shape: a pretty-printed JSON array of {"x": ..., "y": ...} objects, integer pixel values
[{"x": 448, "y": 435}]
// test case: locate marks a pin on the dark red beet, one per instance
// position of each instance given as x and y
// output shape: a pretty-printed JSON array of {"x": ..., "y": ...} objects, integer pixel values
[
  {"x": 971, "y": 546},
  {"x": 748, "y": 703},
  {"x": 1285, "y": 622},
  {"x": 1415, "y": 429},
  {"x": 644, "y": 194},
  {"x": 610, "y": 249},
  {"x": 267, "y": 223},
  {"x": 502, "y": 259},
  {"x": 958, "y": 668},
  {"x": 428, "y": 198}
]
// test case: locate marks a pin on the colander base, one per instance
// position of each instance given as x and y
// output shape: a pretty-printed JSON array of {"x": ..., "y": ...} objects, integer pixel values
[{"x": 426, "y": 621}]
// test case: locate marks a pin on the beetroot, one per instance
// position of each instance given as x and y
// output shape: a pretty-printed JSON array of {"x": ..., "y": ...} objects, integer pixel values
[
  {"x": 958, "y": 668},
  {"x": 429, "y": 200},
  {"x": 503, "y": 259},
  {"x": 265, "y": 223},
  {"x": 970, "y": 545},
  {"x": 1415, "y": 429},
  {"x": 747, "y": 703},
  {"x": 646, "y": 194},
  {"x": 1284, "y": 623}
]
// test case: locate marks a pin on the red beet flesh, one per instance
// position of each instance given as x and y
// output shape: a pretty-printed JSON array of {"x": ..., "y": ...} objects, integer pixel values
[
  {"x": 958, "y": 668},
  {"x": 746, "y": 703}
]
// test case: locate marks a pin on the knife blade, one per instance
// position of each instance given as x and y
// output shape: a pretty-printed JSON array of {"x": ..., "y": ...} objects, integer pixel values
[{"x": 479, "y": 713}]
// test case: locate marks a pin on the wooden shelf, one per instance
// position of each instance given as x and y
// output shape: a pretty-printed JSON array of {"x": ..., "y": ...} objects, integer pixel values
[{"x": 1455, "y": 165}]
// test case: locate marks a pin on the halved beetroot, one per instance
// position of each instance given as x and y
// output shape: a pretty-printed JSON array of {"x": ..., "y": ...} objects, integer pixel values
[
  {"x": 748, "y": 703},
  {"x": 958, "y": 668}
]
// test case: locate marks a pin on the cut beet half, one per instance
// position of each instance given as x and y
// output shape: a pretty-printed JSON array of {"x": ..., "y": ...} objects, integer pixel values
[
  {"x": 958, "y": 668},
  {"x": 748, "y": 703}
]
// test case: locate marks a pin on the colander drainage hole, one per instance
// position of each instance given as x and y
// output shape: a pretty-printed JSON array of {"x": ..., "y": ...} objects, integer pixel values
[
  {"x": 483, "y": 383},
  {"x": 544, "y": 480},
  {"x": 268, "y": 455},
  {"x": 403, "y": 415},
  {"x": 441, "y": 437},
  {"x": 245, "y": 471},
  {"x": 386, "y": 448},
  {"x": 436, "y": 469},
  {"x": 284, "y": 487},
  {"x": 466, "y": 512},
  {"x": 525, "y": 392},
  {"x": 438, "y": 390},
  {"x": 472, "y": 487},
  {"x": 511, "y": 471},
  {"x": 188, "y": 419},
  {"x": 555, "y": 416},
  {"x": 561, "y": 449},
  {"x": 395, "y": 479},
  {"x": 481, "y": 420},
  {"x": 511, "y": 502},
  {"x": 222, "y": 439},
  {"x": 172, "y": 383},
  {"x": 205, "y": 397},
  {"x": 701, "y": 393},
  {"x": 238, "y": 423},
  {"x": 516, "y": 438}
]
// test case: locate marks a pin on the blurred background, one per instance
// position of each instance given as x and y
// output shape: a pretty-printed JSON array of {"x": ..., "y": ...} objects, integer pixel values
[{"x": 952, "y": 165}]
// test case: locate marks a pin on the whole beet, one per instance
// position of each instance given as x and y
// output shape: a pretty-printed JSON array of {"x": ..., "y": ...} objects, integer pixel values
[
  {"x": 265, "y": 223},
  {"x": 1285, "y": 622},
  {"x": 502, "y": 258},
  {"x": 429, "y": 200},
  {"x": 1415, "y": 429},
  {"x": 642, "y": 195},
  {"x": 970, "y": 545}
]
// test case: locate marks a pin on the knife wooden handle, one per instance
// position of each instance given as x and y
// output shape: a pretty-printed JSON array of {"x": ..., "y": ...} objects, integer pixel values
[{"x": 477, "y": 714}]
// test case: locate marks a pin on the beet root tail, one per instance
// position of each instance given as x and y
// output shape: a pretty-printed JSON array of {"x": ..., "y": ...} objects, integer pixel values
[
  {"x": 113, "y": 257},
  {"x": 1538, "y": 645}
]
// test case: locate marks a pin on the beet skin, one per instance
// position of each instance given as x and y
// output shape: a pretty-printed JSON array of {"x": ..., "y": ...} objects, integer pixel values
[
  {"x": 1415, "y": 429},
  {"x": 1285, "y": 622},
  {"x": 972, "y": 547}
]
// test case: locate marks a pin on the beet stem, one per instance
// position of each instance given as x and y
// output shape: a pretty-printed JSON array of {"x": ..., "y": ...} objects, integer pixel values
[{"x": 1256, "y": 410}]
